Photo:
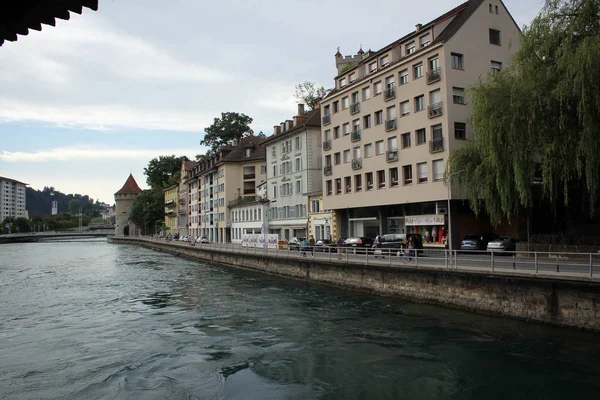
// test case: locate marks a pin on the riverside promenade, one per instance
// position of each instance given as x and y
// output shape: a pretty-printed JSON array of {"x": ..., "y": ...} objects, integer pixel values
[{"x": 533, "y": 290}]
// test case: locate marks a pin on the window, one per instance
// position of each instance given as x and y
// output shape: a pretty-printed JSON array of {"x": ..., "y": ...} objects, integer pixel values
[
  {"x": 274, "y": 191},
  {"x": 379, "y": 147},
  {"x": 273, "y": 152},
  {"x": 392, "y": 143},
  {"x": 421, "y": 136},
  {"x": 366, "y": 93},
  {"x": 342, "y": 82},
  {"x": 329, "y": 186},
  {"x": 346, "y": 156},
  {"x": 496, "y": 9},
  {"x": 378, "y": 117},
  {"x": 345, "y": 103},
  {"x": 425, "y": 40},
  {"x": 422, "y": 172},
  {"x": 410, "y": 48},
  {"x": 298, "y": 187},
  {"x": 348, "y": 184},
  {"x": 346, "y": 128},
  {"x": 405, "y": 140},
  {"x": 460, "y": 130},
  {"x": 356, "y": 125},
  {"x": 419, "y": 103},
  {"x": 405, "y": 108},
  {"x": 352, "y": 77},
  {"x": 438, "y": 170},
  {"x": 368, "y": 150},
  {"x": 298, "y": 164},
  {"x": 377, "y": 88},
  {"x": 373, "y": 67},
  {"x": 356, "y": 153},
  {"x": 496, "y": 66},
  {"x": 355, "y": 99},
  {"x": 490, "y": 8},
  {"x": 457, "y": 61},
  {"x": 495, "y": 37},
  {"x": 381, "y": 179},
  {"x": 418, "y": 70},
  {"x": 263, "y": 169},
  {"x": 337, "y": 158},
  {"x": 328, "y": 160},
  {"x": 407, "y": 172},
  {"x": 338, "y": 186},
  {"x": 367, "y": 121},
  {"x": 394, "y": 177},
  {"x": 391, "y": 113},
  {"x": 336, "y": 132},
  {"x": 336, "y": 106},
  {"x": 389, "y": 82},
  {"x": 384, "y": 61},
  {"x": 404, "y": 77},
  {"x": 369, "y": 180},
  {"x": 298, "y": 142},
  {"x": 458, "y": 95},
  {"x": 274, "y": 170},
  {"x": 357, "y": 183},
  {"x": 315, "y": 206}
]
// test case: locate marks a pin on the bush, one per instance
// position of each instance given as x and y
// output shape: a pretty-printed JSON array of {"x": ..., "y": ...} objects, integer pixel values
[{"x": 560, "y": 238}]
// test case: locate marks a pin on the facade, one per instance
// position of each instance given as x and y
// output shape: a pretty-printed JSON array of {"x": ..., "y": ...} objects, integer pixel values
[
  {"x": 293, "y": 170},
  {"x": 232, "y": 173},
  {"x": 171, "y": 195},
  {"x": 124, "y": 199},
  {"x": 183, "y": 201},
  {"x": 12, "y": 199},
  {"x": 249, "y": 214},
  {"x": 397, "y": 113},
  {"x": 321, "y": 222}
]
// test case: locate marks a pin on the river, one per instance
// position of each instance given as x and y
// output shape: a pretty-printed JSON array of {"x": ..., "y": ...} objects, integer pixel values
[{"x": 90, "y": 320}]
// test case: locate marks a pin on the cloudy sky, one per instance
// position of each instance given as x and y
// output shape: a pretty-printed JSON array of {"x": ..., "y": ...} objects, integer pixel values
[{"x": 85, "y": 103}]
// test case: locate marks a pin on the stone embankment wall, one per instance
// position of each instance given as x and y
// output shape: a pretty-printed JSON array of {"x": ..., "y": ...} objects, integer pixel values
[{"x": 563, "y": 302}]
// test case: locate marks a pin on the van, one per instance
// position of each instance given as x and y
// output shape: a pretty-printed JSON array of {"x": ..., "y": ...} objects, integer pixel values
[{"x": 396, "y": 240}]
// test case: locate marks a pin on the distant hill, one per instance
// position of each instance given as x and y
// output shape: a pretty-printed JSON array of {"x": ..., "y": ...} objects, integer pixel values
[{"x": 39, "y": 202}]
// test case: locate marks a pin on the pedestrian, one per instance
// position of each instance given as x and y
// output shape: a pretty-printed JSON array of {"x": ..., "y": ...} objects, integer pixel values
[
  {"x": 304, "y": 247},
  {"x": 340, "y": 243}
]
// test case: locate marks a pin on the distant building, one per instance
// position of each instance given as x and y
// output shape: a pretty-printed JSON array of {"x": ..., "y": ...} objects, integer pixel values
[
  {"x": 171, "y": 195},
  {"x": 12, "y": 198},
  {"x": 54, "y": 207},
  {"x": 124, "y": 199}
]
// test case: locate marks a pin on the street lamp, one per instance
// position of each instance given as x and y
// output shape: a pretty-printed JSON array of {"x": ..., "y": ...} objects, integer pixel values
[
  {"x": 155, "y": 225},
  {"x": 145, "y": 227},
  {"x": 448, "y": 183}
]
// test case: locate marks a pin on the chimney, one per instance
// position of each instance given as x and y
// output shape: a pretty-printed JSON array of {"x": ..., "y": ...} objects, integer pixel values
[
  {"x": 276, "y": 130},
  {"x": 418, "y": 27},
  {"x": 295, "y": 121},
  {"x": 289, "y": 124},
  {"x": 300, "y": 109},
  {"x": 282, "y": 126}
]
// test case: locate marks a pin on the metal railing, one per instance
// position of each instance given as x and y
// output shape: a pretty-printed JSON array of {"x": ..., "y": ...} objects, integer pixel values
[
  {"x": 390, "y": 125},
  {"x": 354, "y": 108},
  {"x": 356, "y": 163},
  {"x": 327, "y": 170},
  {"x": 435, "y": 110},
  {"x": 392, "y": 155},
  {"x": 434, "y": 75},
  {"x": 327, "y": 144},
  {"x": 389, "y": 93},
  {"x": 355, "y": 137},
  {"x": 326, "y": 119},
  {"x": 436, "y": 145}
]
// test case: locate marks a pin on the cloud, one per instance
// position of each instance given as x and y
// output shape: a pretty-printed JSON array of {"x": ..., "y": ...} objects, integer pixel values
[{"x": 86, "y": 153}]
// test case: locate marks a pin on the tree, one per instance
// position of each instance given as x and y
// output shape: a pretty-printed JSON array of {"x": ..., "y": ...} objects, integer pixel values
[
  {"x": 163, "y": 171},
  {"x": 148, "y": 207},
  {"x": 538, "y": 119},
  {"x": 74, "y": 206},
  {"x": 227, "y": 129},
  {"x": 309, "y": 93}
]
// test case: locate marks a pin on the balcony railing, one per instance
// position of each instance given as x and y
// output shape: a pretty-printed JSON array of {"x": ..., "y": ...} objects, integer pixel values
[
  {"x": 390, "y": 125},
  {"x": 435, "y": 110},
  {"x": 327, "y": 170},
  {"x": 250, "y": 191},
  {"x": 392, "y": 155},
  {"x": 327, "y": 144},
  {"x": 390, "y": 93},
  {"x": 357, "y": 163},
  {"x": 169, "y": 203},
  {"x": 354, "y": 108},
  {"x": 434, "y": 75},
  {"x": 355, "y": 135},
  {"x": 436, "y": 145},
  {"x": 326, "y": 119},
  {"x": 245, "y": 200},
  {"x": 249, "y": 176},
  {"x": 181, "y": 212}
]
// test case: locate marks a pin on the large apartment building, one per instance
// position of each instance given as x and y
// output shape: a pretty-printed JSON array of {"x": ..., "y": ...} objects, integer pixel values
[
  {"x": 293, "y": 171},
  {"x": 395, "y": 115},
  {"x": 171, "y": 195},
  {"x": 183, "y": 202},
  {"x": 12, "y": 198}
]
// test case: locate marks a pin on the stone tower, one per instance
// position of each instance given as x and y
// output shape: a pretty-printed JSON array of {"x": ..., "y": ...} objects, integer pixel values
[{"x": 123, "y": 201}]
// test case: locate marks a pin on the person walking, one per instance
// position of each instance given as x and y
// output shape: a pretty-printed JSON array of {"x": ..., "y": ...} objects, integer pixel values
[
  {"x": 304, "y": 247},
  {"x": 340, "y": 242},
  {"x": 311, "y": 244}
]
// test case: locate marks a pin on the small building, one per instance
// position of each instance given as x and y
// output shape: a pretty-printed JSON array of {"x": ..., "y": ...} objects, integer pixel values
[
  {"x": 322, "y": 224},
  {"x": 249, "y": 214},
  {"x": 171, "y": 195},
  {"x": 124, "y": 199}
]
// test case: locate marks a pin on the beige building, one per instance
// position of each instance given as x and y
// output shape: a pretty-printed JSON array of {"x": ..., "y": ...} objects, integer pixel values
[
  {"x": 171, "y": 195},
  {"x": 184, "y": 202},
  {"x": 397, "y": 113},
  {"x": 321, "y": 222}
]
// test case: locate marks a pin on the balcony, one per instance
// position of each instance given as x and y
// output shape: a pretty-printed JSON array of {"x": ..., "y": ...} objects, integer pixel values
[
  {"x": 392, "y": 155},
  {"x": 250, "y": 191},
  {"x": 170, "y": 212},
  {"x": 354, "y": 108},
  {"x": 390, "y": 125},
  {"x": 355, "y": 135},
  {"x": 435, "y": 110},
  {"x": 390, "y": 93},
  {"x": 326, "y": 119},
  {"x": 434, "y": 75},
  {"x": 249, "y": 176},
  {"x": 327, "y": 144},
  {"x": 181, "y": 212},
  {"x": 181, "y": 201},
  {"x": 327, "y": 170},
  {"x": 246, "y": 200},
  {"x": 436, "y": 145},
  {"x": 169, "y": 203},
  {"x": 357, "y": 163}
]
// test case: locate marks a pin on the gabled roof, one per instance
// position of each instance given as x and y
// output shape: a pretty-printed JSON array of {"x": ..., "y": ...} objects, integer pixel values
[
  {"x": 130, "y": 187},
  {"x": 237, "y": 153},
  {"x": 312, "y": 119}
]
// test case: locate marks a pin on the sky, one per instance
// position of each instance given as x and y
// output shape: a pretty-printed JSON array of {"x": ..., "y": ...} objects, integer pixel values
[{"x": 95, "y": 98}]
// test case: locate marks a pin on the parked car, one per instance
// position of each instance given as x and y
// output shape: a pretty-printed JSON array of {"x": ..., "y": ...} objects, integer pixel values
[
  {"x": 202, "y": 239},
  {"x": 295, "y": 243},
  {"x": 478, "y": 241},
  {"x": 325, "y": 245},
  {"x": 359, "y": 244},
  {"x": 503, "y": 243},
  {"x": 396, "y": 241}
]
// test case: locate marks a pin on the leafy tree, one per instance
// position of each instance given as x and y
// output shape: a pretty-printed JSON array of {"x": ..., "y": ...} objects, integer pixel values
[
  {"x": 147, "y": 208},
  {"x": 231, "y": 126},
  {"x": 538, "y": 119},
  {"x": 309, "y": 93},
  {"x": 163, "y": 171},
  {"x": 74, "y": 206}
]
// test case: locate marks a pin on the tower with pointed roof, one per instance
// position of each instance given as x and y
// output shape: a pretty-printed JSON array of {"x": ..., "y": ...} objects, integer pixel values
[{"x": 124, "y": 199}]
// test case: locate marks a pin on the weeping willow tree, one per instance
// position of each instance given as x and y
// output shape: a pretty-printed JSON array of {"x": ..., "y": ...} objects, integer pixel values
[{"x": 538, "y": 120}]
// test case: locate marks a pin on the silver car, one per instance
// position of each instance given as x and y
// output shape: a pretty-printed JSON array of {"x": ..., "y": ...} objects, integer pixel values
[{"x": 503, "y": 243}]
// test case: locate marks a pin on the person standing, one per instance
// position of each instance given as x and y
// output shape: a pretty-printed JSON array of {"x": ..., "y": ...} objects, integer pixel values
[{"x": 340, "y": 243}]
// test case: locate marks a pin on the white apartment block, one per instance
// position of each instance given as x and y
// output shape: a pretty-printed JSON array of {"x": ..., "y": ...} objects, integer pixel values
[
  {"x": 249, "y": 214},
  {"x": 12, "y": 198},
  {"x": 396, "y": 114},
  {"x": 183, "y": 209},
  {"x": 293, "y": 171}
]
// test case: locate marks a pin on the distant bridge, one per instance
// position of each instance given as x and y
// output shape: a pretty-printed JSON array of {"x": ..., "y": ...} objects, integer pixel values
[{"x": 43, "y": 236}]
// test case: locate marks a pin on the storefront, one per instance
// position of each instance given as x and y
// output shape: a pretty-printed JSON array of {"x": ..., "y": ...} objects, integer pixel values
[
  {"x": 364, "y": 227},
  {"x": 433, "y": 228}
]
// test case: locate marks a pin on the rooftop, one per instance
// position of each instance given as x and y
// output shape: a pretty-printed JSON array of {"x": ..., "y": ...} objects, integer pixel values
[{"x": 130, "y": 187}]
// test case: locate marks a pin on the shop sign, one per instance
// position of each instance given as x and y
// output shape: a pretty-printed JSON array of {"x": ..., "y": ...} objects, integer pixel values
[{"x": 422, "y": 220}]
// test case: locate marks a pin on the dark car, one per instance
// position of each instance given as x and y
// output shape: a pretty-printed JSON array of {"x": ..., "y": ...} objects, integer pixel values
[
  {"x": 478, "y": 241},
  {"x": 360, "y": 244},
  {"x": 325, "y": 245},
  {"x": 396, "y": 240}
]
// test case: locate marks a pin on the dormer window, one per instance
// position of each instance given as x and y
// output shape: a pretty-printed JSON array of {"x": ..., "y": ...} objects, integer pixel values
[
  {"x": 373, "y": 67},
  {"x": 425, "y": 40},
  {"x": 352, "y": 77},
  {"x": 384, "y": 61},
  {"x": 248, "y": 152},
  {"x": 410, "y": 48},
  {"x": 342, "y": 82}
]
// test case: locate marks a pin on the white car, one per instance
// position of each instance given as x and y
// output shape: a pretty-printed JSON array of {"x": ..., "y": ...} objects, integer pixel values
[{"x": 202, "y": 239}]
